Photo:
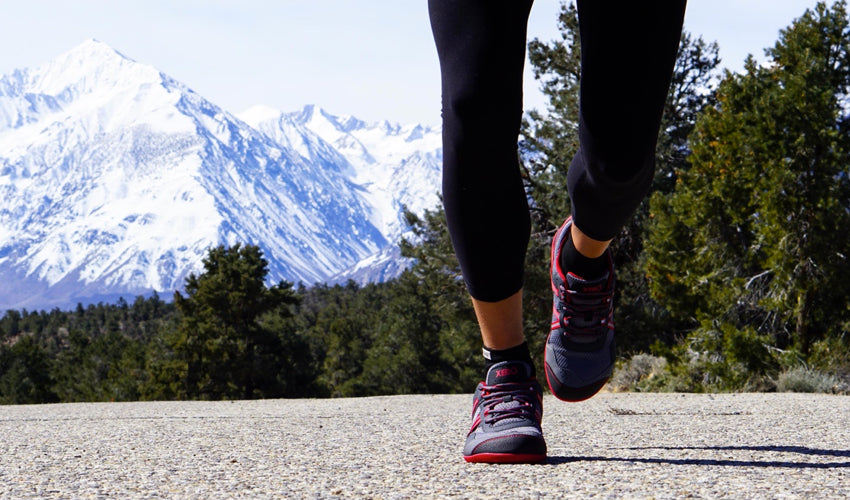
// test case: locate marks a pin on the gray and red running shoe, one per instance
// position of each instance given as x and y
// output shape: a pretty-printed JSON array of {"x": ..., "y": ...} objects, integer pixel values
[
  {"x": 506, "y": 412},
  {"x": 579, "y": 354}
]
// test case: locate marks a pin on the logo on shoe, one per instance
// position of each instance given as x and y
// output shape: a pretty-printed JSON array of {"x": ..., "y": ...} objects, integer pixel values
[{"x": 507, "y": 372}]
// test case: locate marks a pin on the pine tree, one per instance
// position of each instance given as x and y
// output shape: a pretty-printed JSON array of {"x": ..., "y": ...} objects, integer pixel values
[
  {"x": 755, "y": 233},
  {"x": 221, "y": 350},
  {"x": 25, "y": 370}
]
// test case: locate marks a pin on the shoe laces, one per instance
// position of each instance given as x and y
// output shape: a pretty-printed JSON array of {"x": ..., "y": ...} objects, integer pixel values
[
  {"x": 585, "y": 313},
  {"x": 508, "y": 400}
]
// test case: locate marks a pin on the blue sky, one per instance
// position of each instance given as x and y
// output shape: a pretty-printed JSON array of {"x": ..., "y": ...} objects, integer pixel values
[{"x": 373, "y": 58}]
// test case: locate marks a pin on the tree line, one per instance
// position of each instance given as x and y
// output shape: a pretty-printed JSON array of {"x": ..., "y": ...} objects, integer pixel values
[
  {"x": 231, "y": 336},
  {"x": 733, "y": 275}
]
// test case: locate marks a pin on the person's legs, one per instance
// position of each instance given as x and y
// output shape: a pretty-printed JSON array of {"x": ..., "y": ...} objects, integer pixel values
[
  {"x": 500, "y": 322},
  {"x": 481, "y": 47},
  {"x": 628, "y": 51}
]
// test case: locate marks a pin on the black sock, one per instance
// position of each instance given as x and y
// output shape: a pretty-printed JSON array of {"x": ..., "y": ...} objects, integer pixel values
[
  {"x": 518, "y": 353},
  {"x": 585, "y": 267}
]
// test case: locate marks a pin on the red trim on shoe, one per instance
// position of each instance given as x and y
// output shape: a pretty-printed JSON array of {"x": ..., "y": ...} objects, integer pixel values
[
  {"x": 506, "y": 458},
  {"x": 474, "y": 424},
  {"x": 554, "y": 260}
]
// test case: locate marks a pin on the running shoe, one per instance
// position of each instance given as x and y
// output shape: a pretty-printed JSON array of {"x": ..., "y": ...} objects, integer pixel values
[
  {"x": 506, "y": 412},
  {"x": 579, "y": 354}
]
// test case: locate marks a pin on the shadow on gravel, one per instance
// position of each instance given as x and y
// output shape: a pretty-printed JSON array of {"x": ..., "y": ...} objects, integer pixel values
[{"x": 791, "y": 464}]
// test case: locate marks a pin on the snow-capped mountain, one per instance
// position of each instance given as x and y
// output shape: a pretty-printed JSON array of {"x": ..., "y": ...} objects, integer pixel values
[
  {"x": 394, "y": 164},
  {"x": 396, "y": 167},
  {"x": 115, "y": 180}
]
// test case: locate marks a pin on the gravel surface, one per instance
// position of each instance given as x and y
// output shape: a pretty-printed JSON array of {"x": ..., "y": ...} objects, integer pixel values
[{"x": 615, "y": 445}]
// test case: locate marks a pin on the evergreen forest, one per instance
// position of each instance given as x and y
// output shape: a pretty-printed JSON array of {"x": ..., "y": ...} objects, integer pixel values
[{"x": 733, "y": 275}]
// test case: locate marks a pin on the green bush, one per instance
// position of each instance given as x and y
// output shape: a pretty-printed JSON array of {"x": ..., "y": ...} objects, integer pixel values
[
  {"x": 803, "y": 379},
  {"x": 637, "y": 373}
]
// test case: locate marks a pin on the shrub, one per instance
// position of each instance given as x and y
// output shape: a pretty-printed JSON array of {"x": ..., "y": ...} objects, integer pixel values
[
  {"x": 640, "y": 368},
  {"x": 802, "y": 379}
]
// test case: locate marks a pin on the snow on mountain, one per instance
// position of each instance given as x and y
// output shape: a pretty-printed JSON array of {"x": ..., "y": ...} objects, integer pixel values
[
  {"x": 395, "y": 165},
  {"x": 115, "y": 180}
]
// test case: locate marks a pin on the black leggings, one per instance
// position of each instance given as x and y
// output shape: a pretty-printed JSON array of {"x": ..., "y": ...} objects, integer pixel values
[{"x": 628, "y": 49}]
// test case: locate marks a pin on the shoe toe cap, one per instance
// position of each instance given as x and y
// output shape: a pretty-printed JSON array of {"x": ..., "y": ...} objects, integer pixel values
[
  {"x": 516, "y": 443},
  {"x": 575, "y": 376}
]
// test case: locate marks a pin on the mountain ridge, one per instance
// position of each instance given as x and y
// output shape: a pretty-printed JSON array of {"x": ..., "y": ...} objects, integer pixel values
[{"x": 115, "y": 179}]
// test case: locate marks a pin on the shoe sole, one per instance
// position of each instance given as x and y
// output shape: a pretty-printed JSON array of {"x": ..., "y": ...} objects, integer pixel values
[{"x": 505, "y": 458}]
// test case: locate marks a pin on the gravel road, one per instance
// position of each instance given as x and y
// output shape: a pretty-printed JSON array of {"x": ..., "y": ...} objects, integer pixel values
[{"x": 613, "y": 446}]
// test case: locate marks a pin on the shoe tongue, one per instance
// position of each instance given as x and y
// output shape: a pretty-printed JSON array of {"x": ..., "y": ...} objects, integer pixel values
[
  {"x": 581, "y": 285},
  {"x": 508, "y": 371}
]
